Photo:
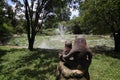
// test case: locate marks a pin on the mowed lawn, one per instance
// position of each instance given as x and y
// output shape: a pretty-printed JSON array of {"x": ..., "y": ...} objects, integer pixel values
[{"x": 21, "y": 64}]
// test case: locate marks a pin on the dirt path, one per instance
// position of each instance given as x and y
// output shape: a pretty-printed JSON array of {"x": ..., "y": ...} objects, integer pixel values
[{"x": 17, "y": 47}]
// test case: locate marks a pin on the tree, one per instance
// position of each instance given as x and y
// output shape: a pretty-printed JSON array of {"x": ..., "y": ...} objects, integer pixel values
[
  {"x": 42, "y": 10},
  {"x": 53, "y": 20},
  {"x": 37, "y": 13},
  {"x": 102, "y": 16},
  {"x": 6, "y": 28}
]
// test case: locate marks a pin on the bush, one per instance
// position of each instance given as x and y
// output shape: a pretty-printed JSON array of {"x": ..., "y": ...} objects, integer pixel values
[
  {"x": 5, "y": 31},
  {"x": 76, "y": 30},
  {"x": 19, "y": 29},
  {"x": 49, "y": 32}
]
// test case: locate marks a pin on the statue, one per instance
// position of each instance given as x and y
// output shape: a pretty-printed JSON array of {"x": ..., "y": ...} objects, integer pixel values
[{"x": 75, "y": 62}]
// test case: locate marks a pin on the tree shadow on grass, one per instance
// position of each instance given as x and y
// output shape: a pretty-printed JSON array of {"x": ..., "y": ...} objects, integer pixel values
[
  {"x": 26, "y": 65},
  {"x": 47, "y": 60},
  {"x": 40, "y": 54},
  {"x": 108, "y": 51},
  {"x": 3, "y": 52}
]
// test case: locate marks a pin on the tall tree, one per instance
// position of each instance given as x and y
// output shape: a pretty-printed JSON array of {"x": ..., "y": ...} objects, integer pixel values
[
  {"x": 36, "y": 14},
  {"x": 102, "y": 16}
]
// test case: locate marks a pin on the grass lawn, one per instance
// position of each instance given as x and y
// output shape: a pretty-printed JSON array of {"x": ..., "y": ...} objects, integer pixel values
[{"x": 21, "y": 64}]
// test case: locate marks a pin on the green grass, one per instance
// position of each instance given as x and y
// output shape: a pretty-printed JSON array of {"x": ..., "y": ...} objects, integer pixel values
[
  {"x": 20, "y": 40},
  {"x": 105, "y": 67},
  {"x": 22, "y": 64}
]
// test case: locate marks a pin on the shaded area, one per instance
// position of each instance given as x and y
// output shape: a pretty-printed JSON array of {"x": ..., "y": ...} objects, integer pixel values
[
  {"x": 47, "y": 63},
  {"x": 37, "y": 65},
  {"x": 4, "y": 40},
  {"x": 3, "y": 52},
  {"x": 108, "y": 51}
]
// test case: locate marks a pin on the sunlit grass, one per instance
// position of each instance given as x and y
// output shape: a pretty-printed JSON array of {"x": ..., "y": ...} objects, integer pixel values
[
  {"x": 105, "y": 68},
  {"x": 57, "y": 41}
]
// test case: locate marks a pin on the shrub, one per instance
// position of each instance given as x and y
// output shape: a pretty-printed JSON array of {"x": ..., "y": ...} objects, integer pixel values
[{"x": 5, "y": 31}]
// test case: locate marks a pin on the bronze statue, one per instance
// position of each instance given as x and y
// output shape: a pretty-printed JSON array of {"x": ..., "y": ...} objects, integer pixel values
[{"x": 77, "y": 67}]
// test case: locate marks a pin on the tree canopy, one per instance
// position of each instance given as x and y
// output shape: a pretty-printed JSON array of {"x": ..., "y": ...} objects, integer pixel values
[
  {"x": 42, "y": 13},
  {"x": 101, "y": 17}
]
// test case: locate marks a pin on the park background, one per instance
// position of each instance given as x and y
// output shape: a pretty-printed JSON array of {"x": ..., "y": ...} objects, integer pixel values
[{"x": 33, "y": 32}]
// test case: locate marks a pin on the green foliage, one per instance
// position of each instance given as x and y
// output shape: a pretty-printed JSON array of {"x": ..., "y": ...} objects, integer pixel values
[
  {"x": 76, "y": 29},
  {"x": 78, "y": 24},
  {"x": 51, "y": 21},
  {"x": 6, "y": 16},
  {"x": 5, "y": 30},
  {"x": 38, "y": 13},
  {"x": 19, "y": 29},
  {"x": 19, "y": 40},
  {"x": 100, "y": 16},
  {"x": 48, "y": 32}
]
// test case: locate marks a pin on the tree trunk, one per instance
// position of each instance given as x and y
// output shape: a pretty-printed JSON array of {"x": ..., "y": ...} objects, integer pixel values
[
  {"x": 116, "y": 36},
  {"x": 117, "y": 42},
  {"x": 31, "y": 42},
  {"x": 30, "y": 46}
]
